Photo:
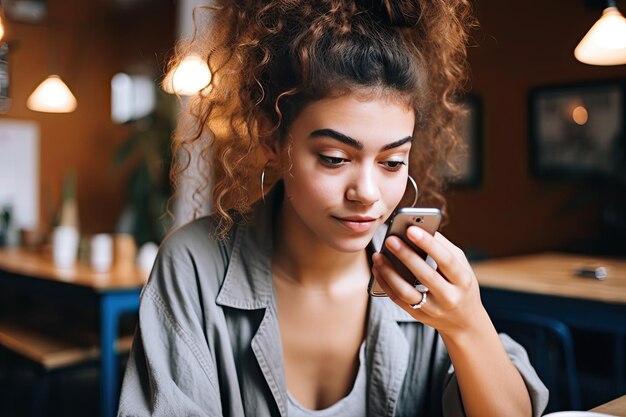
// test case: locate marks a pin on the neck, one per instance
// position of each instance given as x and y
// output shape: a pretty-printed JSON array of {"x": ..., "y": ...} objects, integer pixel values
[
  {"x": 318, "y": 268},
  {"x": 300, "y": 258}
]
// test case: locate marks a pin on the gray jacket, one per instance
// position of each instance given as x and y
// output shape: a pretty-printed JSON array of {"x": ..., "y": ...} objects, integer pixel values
[{"x": 208, "y": 341}]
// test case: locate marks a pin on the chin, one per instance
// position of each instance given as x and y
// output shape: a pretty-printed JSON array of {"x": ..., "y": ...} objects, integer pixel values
[{"x": 350, "y": 245}]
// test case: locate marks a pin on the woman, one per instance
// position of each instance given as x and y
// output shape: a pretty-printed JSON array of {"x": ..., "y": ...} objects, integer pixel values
[{"x": 261, "y": 309}]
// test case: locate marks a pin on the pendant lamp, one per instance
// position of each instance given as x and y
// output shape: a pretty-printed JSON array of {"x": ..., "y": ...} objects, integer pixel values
[
  {"x": 52, "y": 96},
  {"x": 605, "y": 43},
  {"x": 187, "y": 78}
]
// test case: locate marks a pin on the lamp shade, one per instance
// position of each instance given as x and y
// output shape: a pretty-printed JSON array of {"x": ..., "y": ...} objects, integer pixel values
[
  {"x": 52, "y": 96},
  {"x": 605, "y": 43},
  {"x": 187, "y": 78}
]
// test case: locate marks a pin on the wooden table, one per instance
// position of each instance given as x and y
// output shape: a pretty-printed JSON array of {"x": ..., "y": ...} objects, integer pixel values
[
  {"x": 116, "y": 292},
  {"x": 617, "y": 407},
  {"x": 553, "y": 274},
  {"x": 545, "y": 284}
]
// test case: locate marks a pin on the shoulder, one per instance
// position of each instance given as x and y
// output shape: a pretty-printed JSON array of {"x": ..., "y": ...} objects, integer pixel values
[
  {"x": 195, "y": 239},
  {"x": 191, "y": 259}
]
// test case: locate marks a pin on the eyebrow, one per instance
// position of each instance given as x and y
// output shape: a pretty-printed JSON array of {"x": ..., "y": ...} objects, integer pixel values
[{"x": 331, "y": 133}]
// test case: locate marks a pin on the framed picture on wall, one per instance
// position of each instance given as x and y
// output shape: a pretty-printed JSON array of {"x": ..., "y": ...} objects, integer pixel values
[
  {"x": 467, "y": 157},
  {"x": 578, "y": 130}
]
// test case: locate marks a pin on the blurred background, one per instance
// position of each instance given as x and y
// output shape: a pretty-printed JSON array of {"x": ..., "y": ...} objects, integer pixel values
[
  {"x": 109, "y": 157},
  {"x": 518, "y": 47}
]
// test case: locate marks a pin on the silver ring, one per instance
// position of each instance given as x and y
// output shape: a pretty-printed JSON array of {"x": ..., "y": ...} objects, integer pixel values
[{"x": 421, "y": 303}]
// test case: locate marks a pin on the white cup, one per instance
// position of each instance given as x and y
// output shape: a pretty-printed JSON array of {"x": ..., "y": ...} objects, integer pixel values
[
  {"x": 146, "y": 257},
  {"x": 64, "y": 246},
  {"x": 101, "y": 252}
]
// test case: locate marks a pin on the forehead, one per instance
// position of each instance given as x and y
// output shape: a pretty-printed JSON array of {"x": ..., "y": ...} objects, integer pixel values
[{"x": 371, "y": 119}]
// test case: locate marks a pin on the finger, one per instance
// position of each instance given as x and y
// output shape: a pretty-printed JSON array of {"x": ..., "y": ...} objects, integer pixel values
[
  {"x": 398, "y": 289},
  {"x": 425, "y": 273},
  {"x": 455, "y": 249},
  {"x": 422, "y": 302},
  {"x": 383, "y": 284},
  {"x": 450, "y": 266},
  {"x": 416, "y": 313},
  {"x": 423, "y": 313}
]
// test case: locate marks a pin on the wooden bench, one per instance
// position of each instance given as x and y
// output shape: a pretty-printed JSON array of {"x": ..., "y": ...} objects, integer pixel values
[
  {"x": 53, "y": 352},
  {"x": 50, "y": 354}
]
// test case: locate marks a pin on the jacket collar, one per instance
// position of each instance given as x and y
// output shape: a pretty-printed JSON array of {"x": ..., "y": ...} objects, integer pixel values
[{"x": 248, "y": 281}]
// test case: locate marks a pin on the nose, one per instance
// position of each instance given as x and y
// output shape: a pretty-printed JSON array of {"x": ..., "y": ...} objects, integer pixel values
[{"x": 363, "y": 188}]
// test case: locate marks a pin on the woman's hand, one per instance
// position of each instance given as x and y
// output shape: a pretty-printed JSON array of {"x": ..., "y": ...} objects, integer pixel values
[
  {"x": 489, "y": 383},
  {"x": 453, "y": 301}
]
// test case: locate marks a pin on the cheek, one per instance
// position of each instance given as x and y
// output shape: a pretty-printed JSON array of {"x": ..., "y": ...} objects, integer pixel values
[
  {"x": 302, "y": 181},
  {"x": 312, "y": 188},
  {"x": 394, "y": 191}
]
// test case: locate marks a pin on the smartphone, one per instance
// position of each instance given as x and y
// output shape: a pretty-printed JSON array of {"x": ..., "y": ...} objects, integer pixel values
[{"x": 428, "y": 219}]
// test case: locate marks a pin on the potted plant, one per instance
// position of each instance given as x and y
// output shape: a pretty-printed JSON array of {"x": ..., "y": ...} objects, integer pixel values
[{"x": 148, "y": 149}]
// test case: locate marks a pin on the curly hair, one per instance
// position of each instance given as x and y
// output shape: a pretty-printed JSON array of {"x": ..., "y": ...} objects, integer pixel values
[{"x": 270, "y": 58}]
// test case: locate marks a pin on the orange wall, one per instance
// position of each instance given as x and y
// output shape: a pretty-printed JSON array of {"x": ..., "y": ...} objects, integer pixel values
[
  {"x": 93, "y": 42},
  {"x": 522, "y": 45}
]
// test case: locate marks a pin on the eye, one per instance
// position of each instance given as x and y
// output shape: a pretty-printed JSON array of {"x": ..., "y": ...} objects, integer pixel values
[
  {"x": 393, "y": 165},
  {"x": 332, "y": 161}
]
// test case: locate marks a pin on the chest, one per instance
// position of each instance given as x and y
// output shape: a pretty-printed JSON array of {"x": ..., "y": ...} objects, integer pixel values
[{"x": 321, "y": 337}]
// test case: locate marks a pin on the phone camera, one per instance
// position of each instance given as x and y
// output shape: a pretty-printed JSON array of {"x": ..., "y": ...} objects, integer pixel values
[{"x": 418, "y": 220}]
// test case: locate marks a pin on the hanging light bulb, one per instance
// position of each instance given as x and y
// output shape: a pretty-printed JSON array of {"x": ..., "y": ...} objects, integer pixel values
[
  {"x": 187, "y": 78},
  {"x": 52, "y": 96},
  {"x": 605, "y": 43}
]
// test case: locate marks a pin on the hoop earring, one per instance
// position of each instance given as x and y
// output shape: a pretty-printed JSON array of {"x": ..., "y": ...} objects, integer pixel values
[
  {"x": 263, "y": 181},
  {"x": 414, "y": 184}
]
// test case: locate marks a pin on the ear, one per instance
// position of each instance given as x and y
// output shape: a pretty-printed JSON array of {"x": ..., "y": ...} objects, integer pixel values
[
  {"x": 268, "y": 139},
  {"x": 271, "y": 148}
]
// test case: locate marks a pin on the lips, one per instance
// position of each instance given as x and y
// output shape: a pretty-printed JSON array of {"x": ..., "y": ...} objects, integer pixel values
[{"x": 357, "y": 223}]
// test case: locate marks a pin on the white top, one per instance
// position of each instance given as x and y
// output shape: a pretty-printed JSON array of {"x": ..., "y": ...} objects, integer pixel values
[{"x": 353, "y": 404}]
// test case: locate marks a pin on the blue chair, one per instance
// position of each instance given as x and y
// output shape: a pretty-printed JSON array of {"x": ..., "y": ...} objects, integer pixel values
[{"x": 550, "y": 348}]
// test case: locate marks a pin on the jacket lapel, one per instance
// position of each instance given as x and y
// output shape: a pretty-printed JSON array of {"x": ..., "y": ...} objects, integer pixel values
[
  {"x": 269, "y": 355},
  {"x": 248, "y": 286},
  {"x": 387, "y": 351}
]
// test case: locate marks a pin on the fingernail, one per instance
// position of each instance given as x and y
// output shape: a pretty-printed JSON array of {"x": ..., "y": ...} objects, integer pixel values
[
  {"x": 392, "y": 243},
  {"x": 415, "y": 232}
]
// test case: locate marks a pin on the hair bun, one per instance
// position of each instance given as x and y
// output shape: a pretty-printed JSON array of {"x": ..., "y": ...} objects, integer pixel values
[{"x": 398, "y": 13}]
